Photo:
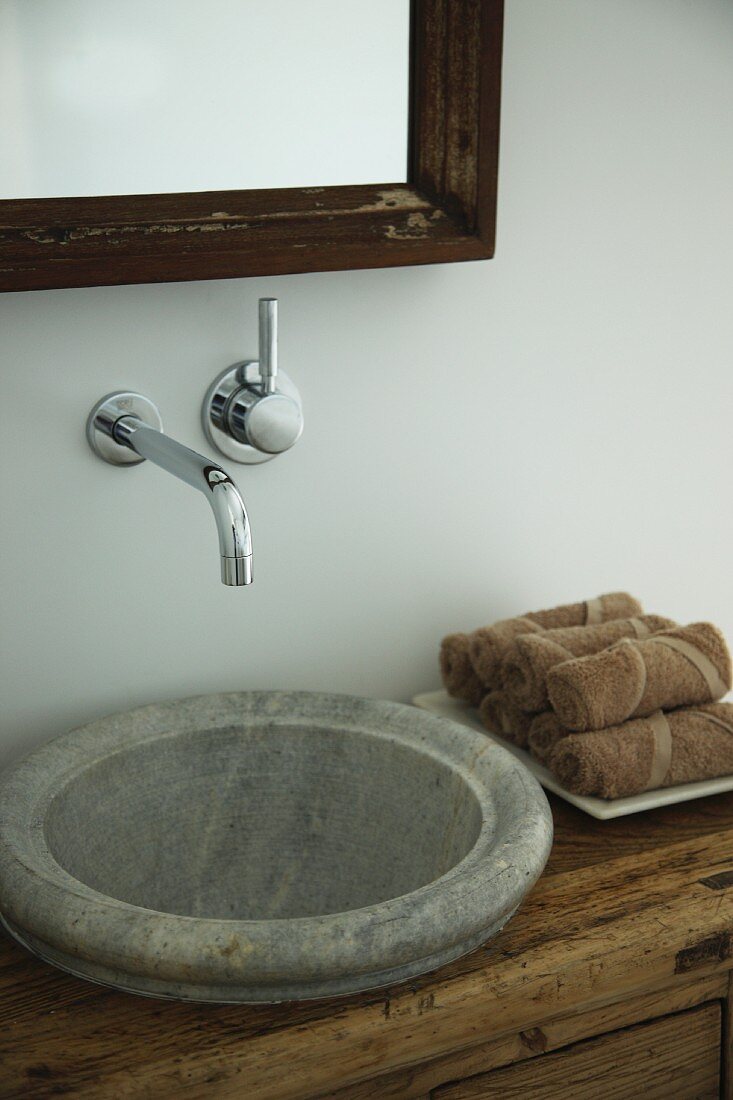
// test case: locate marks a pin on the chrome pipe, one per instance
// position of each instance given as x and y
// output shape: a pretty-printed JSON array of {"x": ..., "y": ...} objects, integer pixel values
[{"x": 230, "y": 514}]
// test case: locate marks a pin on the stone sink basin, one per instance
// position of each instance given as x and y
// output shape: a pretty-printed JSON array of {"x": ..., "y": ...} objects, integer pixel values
[{"x": 266, "y": 846}]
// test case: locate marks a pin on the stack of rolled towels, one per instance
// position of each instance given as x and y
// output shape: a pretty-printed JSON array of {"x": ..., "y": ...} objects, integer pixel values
[{"x": 613, "y": 701}]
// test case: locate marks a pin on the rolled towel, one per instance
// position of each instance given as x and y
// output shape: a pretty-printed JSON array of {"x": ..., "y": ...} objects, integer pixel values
[
  {"x": 532, "y": 656},
  {"x": 499, "y": 715},
  {"x": 680, "y": 667},
  {"x": 489, "y": 645},
  {"x": 662, "y": 750},
  {"x": 459, "y": 678},
  {"x": 544, "y": 733}
]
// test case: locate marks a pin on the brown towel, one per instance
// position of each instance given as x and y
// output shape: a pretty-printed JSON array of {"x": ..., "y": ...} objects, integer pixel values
[
  {"x": 662, "y": 750},
  {"x": 459, "y": 679},
  {"x": 500, "y": 716},
  {"x": 544, "y": 733},
  {"x": 489, "y": 644},
  {"x": 533, "y": 655},
  {"x": 679, "y": 667}
]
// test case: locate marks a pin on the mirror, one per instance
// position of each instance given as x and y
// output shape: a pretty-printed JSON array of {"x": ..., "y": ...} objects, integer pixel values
[
  {"x": 157, "y": 140},
  {"x": 155, "y": 96}
]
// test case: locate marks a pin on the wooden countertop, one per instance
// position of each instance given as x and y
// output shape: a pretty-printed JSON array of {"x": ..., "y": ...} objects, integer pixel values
[{"x": 633, "y": 907}]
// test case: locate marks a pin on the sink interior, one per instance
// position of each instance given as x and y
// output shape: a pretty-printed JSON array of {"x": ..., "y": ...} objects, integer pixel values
[{"x": 262, "y": 822}]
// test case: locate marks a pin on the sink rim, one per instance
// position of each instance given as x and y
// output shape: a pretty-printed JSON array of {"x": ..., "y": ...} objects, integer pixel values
[{"x": 228, "y": 953}]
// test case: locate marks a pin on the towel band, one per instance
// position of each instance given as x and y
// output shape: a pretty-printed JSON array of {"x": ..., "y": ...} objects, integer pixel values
[
  {"x": 593, "y": 611},
  {"x": 703, "y": 664},
  {"x": 640, "y": 628},
  {"x": 662, "y": 751}
]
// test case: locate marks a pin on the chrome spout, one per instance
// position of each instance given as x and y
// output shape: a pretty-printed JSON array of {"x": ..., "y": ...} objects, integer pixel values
[{"x": 230, "y": 514}]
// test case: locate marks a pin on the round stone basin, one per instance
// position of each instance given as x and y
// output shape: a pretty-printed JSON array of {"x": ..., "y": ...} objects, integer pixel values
[{"x": 266, "y": 846}]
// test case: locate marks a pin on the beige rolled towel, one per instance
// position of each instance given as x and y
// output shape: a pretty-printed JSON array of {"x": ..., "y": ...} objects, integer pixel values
[
  {"x": 661, "y": 750},
  {"x": 457, "y": 672},
  {"x": 680, "y": 667},
  {"x": 489, "y": 645},
  {"x": 545, "y": 732},
  {"x": 525, "y": 668},
  {"x": 500, "y": 716}
]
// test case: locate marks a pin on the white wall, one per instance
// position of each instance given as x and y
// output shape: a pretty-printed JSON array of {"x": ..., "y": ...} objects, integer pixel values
[{"x": 480, "y": 438}]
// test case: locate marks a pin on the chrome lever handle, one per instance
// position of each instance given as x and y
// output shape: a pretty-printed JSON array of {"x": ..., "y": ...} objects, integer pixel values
[
  {"x": 268, "y": 344},
  {"x": 252, "y": 411}
]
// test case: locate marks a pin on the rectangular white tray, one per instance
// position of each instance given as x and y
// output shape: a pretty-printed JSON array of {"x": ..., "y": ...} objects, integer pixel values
[{"x": 439, "y": 702}]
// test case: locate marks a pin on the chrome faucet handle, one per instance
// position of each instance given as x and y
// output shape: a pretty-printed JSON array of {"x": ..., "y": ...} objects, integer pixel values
[
  {"x": 268, "y": 344},
  {"x": 252, "y": 411}
]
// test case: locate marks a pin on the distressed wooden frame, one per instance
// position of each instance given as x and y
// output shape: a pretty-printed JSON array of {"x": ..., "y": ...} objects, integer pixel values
[{"x": 445, "y": 212}]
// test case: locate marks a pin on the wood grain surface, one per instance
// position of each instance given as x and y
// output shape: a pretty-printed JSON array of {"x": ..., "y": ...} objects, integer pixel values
[
  {"x": 677, "y": 1058},
  {"x": 418, "y": 1081},
  {"x": 727, "y": 1077},
  {"x": 622, "y": 912}
]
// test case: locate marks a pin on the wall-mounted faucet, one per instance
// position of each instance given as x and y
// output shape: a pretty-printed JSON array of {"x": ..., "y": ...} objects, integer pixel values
[
  {"x": 251, "y": 413},
  {"x": 125, "y": 428}
]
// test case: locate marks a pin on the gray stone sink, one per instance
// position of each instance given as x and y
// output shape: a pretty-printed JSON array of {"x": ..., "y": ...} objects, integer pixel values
[{"x": 266, "y": 846}]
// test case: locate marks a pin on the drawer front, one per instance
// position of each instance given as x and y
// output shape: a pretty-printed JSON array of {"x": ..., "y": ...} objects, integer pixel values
[{"x": 678, "y": 1056}]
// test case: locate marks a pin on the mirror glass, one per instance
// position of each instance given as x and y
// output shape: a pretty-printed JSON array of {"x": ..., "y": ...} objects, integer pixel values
[{"x": 102, "y": 97}]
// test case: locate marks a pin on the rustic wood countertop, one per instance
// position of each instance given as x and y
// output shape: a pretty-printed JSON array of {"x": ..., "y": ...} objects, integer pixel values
[{"x": 638, "y": 907}]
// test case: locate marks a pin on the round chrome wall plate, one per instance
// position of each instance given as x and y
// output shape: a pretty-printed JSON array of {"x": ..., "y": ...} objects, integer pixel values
[
  {"x": 216, "y": 406},
  {"x": 106, "y": 413}
]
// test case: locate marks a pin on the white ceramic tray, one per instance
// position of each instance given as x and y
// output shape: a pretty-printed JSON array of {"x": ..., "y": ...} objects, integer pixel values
[{"x": 439, "y": 702}]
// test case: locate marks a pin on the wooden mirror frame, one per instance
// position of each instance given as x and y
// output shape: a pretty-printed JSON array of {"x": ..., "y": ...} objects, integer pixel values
[{"x": 445, "y": 212}]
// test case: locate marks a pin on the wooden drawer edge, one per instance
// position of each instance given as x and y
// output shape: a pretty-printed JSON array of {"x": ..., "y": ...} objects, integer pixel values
[{"x": 560, "y": 1031}]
